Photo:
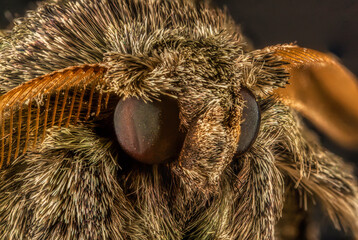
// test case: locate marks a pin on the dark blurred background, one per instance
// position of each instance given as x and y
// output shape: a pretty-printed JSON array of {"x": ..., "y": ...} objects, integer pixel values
[{"x": 325, "y": 25}]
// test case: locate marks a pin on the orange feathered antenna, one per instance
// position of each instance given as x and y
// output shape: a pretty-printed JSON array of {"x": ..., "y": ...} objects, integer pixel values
[
  {"x": 60, "y": 98},
  {"x": 322, "y": 90}
]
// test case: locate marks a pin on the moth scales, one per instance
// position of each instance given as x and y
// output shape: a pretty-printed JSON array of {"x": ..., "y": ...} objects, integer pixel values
[{"x": 67, "y": 173}]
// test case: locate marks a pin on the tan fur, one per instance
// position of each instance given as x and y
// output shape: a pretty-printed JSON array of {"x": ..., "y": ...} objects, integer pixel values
[{"x": 77, "y": 183}]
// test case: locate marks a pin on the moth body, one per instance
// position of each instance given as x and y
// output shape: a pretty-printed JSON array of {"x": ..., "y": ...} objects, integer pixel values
[{"x": 73, "y": 74}]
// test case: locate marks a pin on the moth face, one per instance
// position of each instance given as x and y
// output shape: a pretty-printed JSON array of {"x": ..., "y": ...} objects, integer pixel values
[
  {"x": 192, "y": 107},
  {"x": 200, "y": 116},
  {"x": 153, "y": 120}
]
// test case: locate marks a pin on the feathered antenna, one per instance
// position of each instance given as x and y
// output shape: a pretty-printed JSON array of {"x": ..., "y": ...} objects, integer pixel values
[{"x": 28, "y": 110}]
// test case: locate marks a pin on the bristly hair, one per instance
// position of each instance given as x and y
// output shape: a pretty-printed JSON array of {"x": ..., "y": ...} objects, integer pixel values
[{"x": 64, "y": 176}]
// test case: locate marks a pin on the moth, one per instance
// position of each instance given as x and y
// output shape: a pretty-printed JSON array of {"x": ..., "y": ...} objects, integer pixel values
[{"x": 134, "y": 119}]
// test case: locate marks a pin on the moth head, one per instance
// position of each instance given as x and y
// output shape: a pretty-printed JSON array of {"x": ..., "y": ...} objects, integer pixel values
[
  {"x": 154, "y": 107},
  {"x": 204, "y": 103},
  {"x": 203, "y": 71},
  {"x": 211, "y": 86},
  {"x": 214, "y": 84}
]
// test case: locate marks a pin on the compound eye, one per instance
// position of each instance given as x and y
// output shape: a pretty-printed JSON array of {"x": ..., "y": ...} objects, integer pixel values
[
  {"x": 148, "y": 131},
  {"x": 251, "y": 118}
]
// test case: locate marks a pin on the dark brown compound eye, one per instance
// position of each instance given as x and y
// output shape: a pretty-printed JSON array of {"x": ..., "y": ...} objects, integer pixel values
[
  {"x": 251, "y": 117},
  {"x": 148, "y": 131}
]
